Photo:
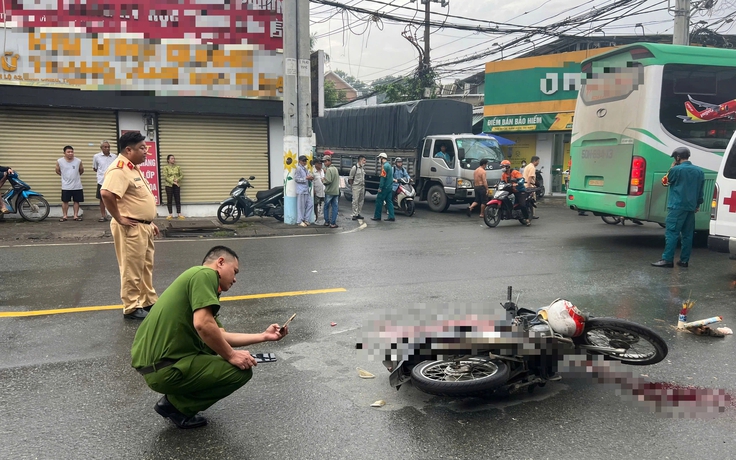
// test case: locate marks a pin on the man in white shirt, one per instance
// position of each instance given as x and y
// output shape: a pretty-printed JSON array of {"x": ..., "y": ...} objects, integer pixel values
[
  {"x": 70, "y": 169},
  {"x": 100, "y": 162},
  {"x": 530, "y": 175}
]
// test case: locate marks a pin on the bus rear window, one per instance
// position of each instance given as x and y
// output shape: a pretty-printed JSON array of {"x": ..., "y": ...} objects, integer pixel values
[
  {"x": 611, "y": 83},
  {"x": 698, "y": 104}
]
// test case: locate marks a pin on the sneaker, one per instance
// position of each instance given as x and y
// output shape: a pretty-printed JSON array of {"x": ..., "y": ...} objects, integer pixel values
[
  {"x": 303, "y": 224},
  {"x": 360, "y": 217},
  {"x": 355, "y": 217},
  {"x": 181, "y": 217},
  {"x": 169, "y": 217}
]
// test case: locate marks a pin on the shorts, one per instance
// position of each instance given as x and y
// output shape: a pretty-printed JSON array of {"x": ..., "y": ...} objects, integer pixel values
[
  {"x": 97, "y": 195},
  {"x": 76, "y": 195},
  {"x": 481, "y": 195}
]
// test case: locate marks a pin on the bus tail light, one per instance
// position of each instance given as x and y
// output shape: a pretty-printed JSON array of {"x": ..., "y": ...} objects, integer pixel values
[
  {"x": 638, "y": 172},
  {"x": 714, "y": 204}
]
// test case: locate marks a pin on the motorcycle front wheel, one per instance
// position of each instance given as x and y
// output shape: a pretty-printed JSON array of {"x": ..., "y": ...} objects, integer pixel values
[
  {"x": 466, "y": 377},
  {"x": 491, "y": 217},
  {"x": 642, "y": 345},
  {"x": 612, "y": 220},
  {"x": 33, "y": 208},
  {"x": 228, "y": 213},
  {"x": 408, "y": 207}
]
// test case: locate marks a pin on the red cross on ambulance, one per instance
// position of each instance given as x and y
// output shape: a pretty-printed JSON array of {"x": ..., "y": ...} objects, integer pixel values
[{"x": 730, "y": 201}]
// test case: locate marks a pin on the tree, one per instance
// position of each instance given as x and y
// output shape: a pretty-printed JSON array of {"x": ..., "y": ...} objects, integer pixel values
[
  {"x": 352, "y": 81},
  {"x": 408, "y": 88},
  {"x": 333, "y": 97}
]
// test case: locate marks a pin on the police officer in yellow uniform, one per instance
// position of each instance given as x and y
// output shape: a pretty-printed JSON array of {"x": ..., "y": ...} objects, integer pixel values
[{"x": 131, "y": 203}]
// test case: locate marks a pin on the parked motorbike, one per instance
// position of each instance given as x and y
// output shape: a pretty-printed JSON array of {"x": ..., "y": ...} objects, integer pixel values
[
  {"x": 539, "y": 183},
  {"x": 268, "y": 203},
  {"x": 503, "y": 364},
  {"x": 404, "y": 197},
  {"x": 31, "y": 206},
  {"x": 503, "y": 206}
]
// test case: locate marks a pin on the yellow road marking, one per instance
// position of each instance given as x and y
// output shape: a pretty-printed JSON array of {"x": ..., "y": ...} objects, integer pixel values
[{"x": 18, "y": 314}]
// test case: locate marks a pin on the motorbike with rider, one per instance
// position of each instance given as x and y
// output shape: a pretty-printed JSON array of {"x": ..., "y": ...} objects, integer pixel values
[
  {"x": 516, "y": 179},
  {"x": 403, "y": 192}
]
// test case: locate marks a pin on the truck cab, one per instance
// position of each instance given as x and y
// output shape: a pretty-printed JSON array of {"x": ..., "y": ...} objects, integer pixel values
[{"x": 447, "y": 164}]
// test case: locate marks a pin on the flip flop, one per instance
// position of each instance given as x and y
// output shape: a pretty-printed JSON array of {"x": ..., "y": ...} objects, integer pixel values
[
  {"x": 101, "y": 219},
  {"x": 63, "y": 219},
  {"x": 79, "y": 219}
]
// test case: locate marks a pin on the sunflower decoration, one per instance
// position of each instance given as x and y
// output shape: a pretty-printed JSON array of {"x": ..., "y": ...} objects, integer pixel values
[{"x": 289, "y": 162}]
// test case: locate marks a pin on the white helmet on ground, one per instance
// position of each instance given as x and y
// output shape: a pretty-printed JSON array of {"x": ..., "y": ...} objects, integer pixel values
[{"x": 565, "y": 318}]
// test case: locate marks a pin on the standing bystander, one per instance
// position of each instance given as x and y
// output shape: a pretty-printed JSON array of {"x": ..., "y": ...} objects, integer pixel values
[
  {"x": 304, "y": 203},
  {"x": 332, "y": 191},
  {"x": 5, "y": 171},
  {"x": 529, "y": 173},
  {"x": 70, "y": 169},
  {"x": 686, "y": 187},
  {"x": 100, "y": 162},
  {"x": 172, "y": 176},
  {"x": 132, "y": 206},
  {"x": 319, "y": 189},
  {"x": 480, "y": 183},
  {"x": 356, "y": 179},
  {"x": 385, "y": 190}
]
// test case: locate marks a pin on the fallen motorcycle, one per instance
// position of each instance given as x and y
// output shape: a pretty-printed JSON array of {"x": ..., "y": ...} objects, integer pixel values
[
  {"x": 268, "y": 203},
  {"x": 522, "y": 353}
]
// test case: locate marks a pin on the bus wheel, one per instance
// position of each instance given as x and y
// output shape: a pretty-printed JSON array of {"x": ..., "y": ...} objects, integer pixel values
[{"x": 612, "y": 220}]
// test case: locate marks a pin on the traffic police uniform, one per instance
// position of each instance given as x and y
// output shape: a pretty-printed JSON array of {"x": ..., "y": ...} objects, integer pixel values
[{"x": 133, "y": 245}]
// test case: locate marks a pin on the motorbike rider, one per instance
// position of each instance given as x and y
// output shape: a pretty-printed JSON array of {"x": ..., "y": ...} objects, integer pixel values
[
  {"x": 399, "y": 173},
  {"x": 5, "y": 171},
  {"x": 516, "y": 180}
]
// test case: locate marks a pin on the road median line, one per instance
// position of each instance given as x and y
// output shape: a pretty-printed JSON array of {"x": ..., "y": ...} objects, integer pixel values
[{"x": 268, "y": 295}]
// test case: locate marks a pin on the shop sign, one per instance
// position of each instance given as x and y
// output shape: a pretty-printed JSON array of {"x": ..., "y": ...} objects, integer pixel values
[{"x": 529, "y": 123}]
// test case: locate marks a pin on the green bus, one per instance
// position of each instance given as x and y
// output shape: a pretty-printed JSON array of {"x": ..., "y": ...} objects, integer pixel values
[{"x": 635, "y": 106}]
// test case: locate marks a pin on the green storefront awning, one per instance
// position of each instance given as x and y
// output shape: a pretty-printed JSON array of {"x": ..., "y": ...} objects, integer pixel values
[{"x": 539, "y": 122}]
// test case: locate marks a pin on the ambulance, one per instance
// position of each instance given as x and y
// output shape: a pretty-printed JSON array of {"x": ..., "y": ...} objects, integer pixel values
[{"x": 722, "y": 236}]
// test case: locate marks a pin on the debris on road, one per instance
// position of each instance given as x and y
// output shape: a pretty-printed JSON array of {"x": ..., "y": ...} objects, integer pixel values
[
  {"x": 363, "y": 374},
  {"x": 333, "y": 324},
  {"x": 379, "y": 403}
]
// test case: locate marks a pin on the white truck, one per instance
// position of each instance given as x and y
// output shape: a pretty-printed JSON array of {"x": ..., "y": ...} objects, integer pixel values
[{"x": 416, "y": 132}]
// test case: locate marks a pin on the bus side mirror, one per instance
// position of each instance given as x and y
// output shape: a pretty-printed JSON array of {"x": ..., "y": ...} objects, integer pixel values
[{"x": 461, "y": 153}]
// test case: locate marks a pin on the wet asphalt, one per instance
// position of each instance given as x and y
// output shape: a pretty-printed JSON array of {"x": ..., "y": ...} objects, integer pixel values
[{"x": 67, "y": 390}]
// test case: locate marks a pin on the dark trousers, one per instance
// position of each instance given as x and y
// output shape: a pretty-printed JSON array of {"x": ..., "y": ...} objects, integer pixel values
[
  {"x": 173, "y": 193},
  {"x": 521, "y": 199}
]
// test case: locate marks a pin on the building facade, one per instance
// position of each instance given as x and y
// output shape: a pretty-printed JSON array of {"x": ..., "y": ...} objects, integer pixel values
[
  {"x": 202, "y": 80},
  {"x": 531, "y": 101}
]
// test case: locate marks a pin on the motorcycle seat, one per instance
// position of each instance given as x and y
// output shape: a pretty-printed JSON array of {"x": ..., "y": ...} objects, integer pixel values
[{"x": 263, "y": 194}]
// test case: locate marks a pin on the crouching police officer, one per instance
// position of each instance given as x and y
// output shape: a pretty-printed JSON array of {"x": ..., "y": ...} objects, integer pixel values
[{"x": 182, "y": 350}]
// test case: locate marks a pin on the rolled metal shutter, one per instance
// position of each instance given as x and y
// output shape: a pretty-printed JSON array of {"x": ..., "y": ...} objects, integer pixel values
[
  {"x": 31, "y": 140},
  {"x": 213, "y": 153}
]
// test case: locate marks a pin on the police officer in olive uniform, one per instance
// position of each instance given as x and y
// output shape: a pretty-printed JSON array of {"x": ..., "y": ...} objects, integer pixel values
[
  {"x": 182, "y": 350},
  {"x": 131, "y": 203}
]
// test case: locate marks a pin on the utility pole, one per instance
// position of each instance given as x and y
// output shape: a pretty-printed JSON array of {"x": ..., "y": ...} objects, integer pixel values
[
  {"x": 426, "y": 64},
  {"x": 681, "y": 32},
  {"x": 297, "y": 98}
]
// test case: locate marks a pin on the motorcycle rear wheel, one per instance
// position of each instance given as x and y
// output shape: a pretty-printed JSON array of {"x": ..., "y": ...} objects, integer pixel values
[
  {"x": 408, "y": 208},
  {"x": 33, "y": 209},
  {"x": 540, "y": 192},
  {"x": 643, "y": 345},
  {"x": 491, "y": 216},
  {"x": 228, "y": 213},
  {"x": 468, "y": 377}
]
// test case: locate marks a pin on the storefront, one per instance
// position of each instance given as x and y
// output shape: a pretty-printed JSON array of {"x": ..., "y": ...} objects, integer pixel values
[
  {"x": 205, "y": 88},
  {"x": 532, "y": 102}
]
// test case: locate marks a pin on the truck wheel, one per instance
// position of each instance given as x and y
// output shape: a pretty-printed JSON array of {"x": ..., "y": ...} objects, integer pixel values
[{"x": 436, "y": 199}]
